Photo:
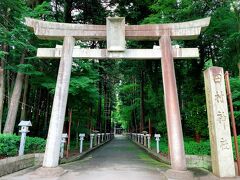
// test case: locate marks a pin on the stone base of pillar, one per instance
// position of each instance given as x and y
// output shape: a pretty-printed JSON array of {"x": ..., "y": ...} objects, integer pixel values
[
  {"x": 44, "y": 172},
  {"x": 178, "y": 175}
]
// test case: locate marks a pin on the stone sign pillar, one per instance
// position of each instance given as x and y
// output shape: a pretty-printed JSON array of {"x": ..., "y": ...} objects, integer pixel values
[
  {"x": 51, "y": 155},
  {"x": 218, "y": 123}
]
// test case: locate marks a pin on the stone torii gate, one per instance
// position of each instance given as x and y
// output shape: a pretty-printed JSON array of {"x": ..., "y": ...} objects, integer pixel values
[{"x": 115, "y": 32}]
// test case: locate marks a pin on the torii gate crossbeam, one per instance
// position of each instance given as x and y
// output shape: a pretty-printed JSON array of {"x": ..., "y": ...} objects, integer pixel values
[{"x": 116, "y": 32}]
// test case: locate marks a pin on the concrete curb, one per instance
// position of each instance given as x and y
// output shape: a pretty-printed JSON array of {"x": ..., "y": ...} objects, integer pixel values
[
  {"x": 18, "y": 163},
  {"x": 193, "y": 161},
  {"x": 151, "y": 153}
]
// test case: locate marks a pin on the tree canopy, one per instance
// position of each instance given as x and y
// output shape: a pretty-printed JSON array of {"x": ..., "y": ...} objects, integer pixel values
[{"x": 126, "y": 92}]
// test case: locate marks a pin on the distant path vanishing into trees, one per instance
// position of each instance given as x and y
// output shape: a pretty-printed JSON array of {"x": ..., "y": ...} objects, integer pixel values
[{"x": 118, "y": 160}]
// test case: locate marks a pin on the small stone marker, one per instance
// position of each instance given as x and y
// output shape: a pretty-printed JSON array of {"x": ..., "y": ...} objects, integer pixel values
[
  {"x": 149, "y": 141},
  {"x": 95, "y": 139},
  {"x": 218, "y": 123},
  {"x": 157, "y": 136},
  {"x": 91, "y": 140},
  {"x": 102, "y": 137},
  {"x": 108, "y": 136},
  {"x": 24, "y": 130},
  {"x": 63, "y": 141},
  {"x": 142, "y": 136},
  {"x": 98, "y": 138},
  {"x": 81, "y": 138}
]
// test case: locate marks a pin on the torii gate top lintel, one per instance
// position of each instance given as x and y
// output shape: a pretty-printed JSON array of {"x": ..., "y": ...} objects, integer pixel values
[{"x": 54, "y": 30}]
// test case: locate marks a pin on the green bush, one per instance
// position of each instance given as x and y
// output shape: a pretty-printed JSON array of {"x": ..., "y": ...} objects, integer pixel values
[
  {"x": 9, "y": 145},
  {"x": 191, "y": 146}
]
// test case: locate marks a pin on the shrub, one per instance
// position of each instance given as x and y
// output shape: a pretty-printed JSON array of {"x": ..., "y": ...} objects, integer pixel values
[
  {"x": 191, "y": 147},
  {"x": 9, "y": 145}
]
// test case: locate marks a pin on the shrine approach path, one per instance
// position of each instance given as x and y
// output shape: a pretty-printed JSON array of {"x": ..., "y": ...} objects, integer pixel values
[{"x": 119, "y": 159}]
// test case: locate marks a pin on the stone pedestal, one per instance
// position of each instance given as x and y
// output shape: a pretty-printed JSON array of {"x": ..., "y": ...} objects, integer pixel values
[
  {"x": 91, "y": 140},
  {"x": 157, "y": 136},
  {"x": 144, "y": 140},
  {"x": 98, "y": 138},
  {"x": 149, "y": 141},
  {"x": 81, "y": 138},
  {"x": 102, "y": 137},
  {"x": 178, "y": 175},
  {"x": 43, "y": 172},
  {"x": 218, "y": 123}
]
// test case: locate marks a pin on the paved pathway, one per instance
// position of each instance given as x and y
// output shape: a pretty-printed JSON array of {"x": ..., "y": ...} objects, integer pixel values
[{"x": 120, "y": 159}]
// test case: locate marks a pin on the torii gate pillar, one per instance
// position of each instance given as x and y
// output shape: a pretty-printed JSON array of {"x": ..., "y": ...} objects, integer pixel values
[
  {"x": 174, "y": 127},
  {"x": 51, "y": 155}
]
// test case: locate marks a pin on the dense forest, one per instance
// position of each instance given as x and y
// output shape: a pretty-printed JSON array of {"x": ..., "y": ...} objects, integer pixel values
[{"x": 128, "y": 93}]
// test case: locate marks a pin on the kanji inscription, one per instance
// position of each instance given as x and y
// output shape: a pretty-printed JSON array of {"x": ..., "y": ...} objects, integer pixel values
[{"x": 218, "y": 120}]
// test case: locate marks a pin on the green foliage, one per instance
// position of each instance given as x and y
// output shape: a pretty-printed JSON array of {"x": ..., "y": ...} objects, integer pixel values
[
  {"x": 194, "y": 148},
  {"x": 235, "y": 88},
  {"x": 195, "y": 115},
  {"x": 9, "y": 145},
  {"x": 191, "y": 146}
]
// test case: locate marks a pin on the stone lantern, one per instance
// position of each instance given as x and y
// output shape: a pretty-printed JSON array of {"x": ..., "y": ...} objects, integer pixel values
[
  {"x": 145, "y": 138},
  {"x": 63, "y": 141},
  {"x": 91, "y": 140},
  {"x": 24, "y": 130},
  {"x": 157, "y": 136},
  {"x": 81, "y": 138}
]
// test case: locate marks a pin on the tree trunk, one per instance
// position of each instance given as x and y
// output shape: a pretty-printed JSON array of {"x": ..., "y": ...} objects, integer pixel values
[
  {"x": 134, "y": 111},
  {"x": 239, "y": 70},
  {"x": 14, "y": 102},
  {"x": 149, "y": 126},
  {"x": 1, "y": 95},
  {"x": 197, "y": 137},
  {"x": 2, "y": 88},
  {"x": 90, "y": 119},
  {"x": 67, "y": 11},
  {"x": 99, "y": 115},
  {"x": 142, "y": 102},
  {"x": 23, "y": 110},
  {"x": 38, "y": 112},
  {"x": 46, "y": 117}
]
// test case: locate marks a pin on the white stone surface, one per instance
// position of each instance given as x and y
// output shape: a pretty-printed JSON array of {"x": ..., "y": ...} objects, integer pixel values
[
  {"x": 25, "y": 123},
  {"x": 149, "y": 141},
  {"x": 22, "y": 143},
  {"x": 218, "y": 123},
  {"x": 115, "y": 34},
  {"x": 91, "y": 140},
  {"x": 139, "y": 54},
  {"x": 63, "y": 141},
  {"x": 98, "y": 138},
  {"x": 81, "y": 138},
  {"x": 51, "y": 155},
  {"x": 55, "y": 30},
  {"x": 102, "y": 137},
  {"x": 157, "y": 136}
]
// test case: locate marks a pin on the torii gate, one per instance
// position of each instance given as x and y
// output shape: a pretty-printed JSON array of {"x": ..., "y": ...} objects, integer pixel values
[{"x": 115, "y": 32}]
